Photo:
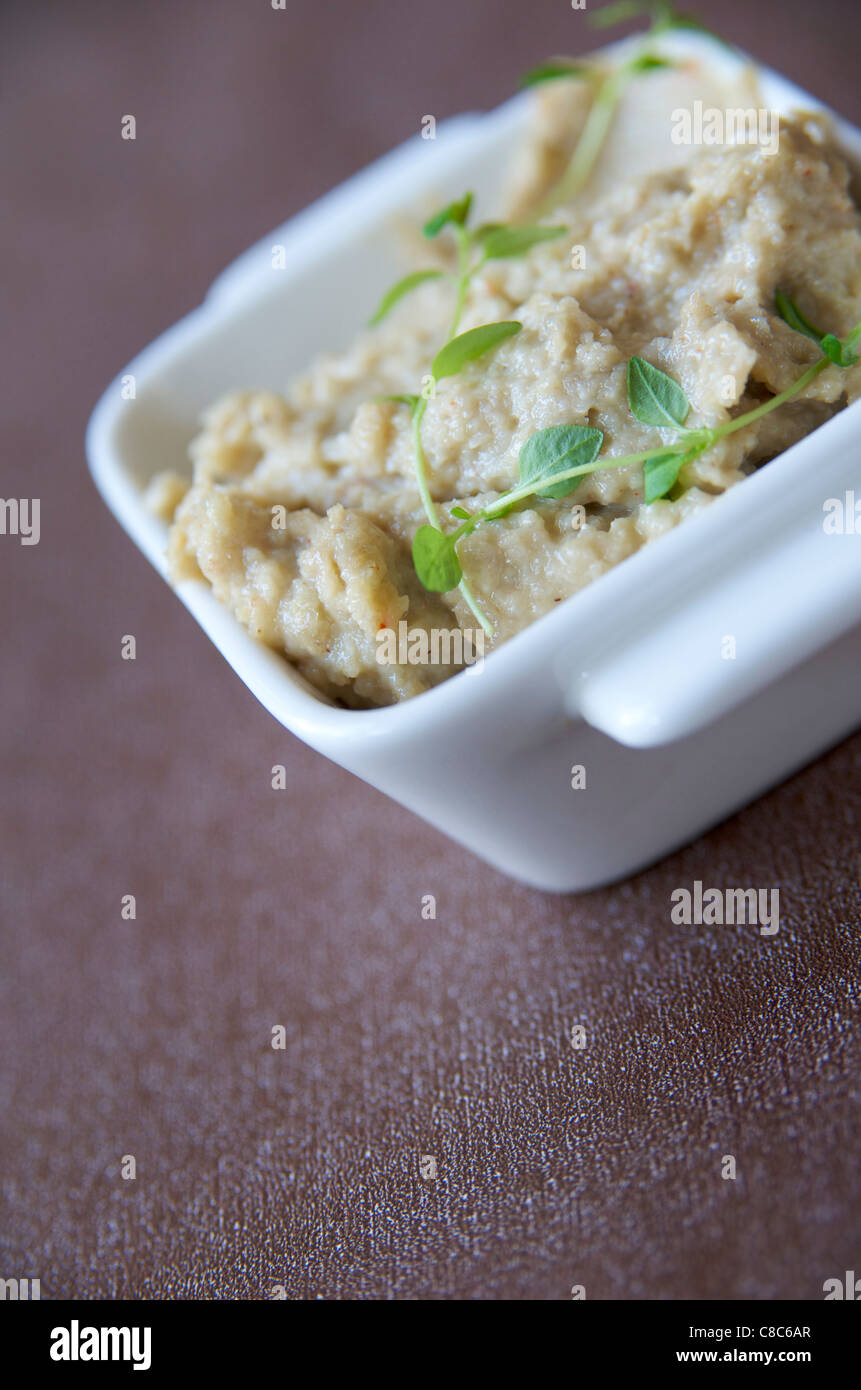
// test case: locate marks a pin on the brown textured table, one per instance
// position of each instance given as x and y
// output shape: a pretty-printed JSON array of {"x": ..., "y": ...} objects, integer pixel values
[{"x": 300, "y": 1167}]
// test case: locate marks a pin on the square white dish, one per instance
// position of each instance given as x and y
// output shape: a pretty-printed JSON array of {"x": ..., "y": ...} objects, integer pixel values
[{"x": 625, "y": 679}]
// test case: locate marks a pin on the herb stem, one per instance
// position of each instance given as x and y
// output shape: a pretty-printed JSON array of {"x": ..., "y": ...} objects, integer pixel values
[
  {"x": 421, "y": 465},
  {"x": 517, "y": 494},
  {"x": 766, "y": 408},
  {"x": 473, "y": 607},
  {"x": 431, "y": 511},
  {"x": 591, "y": 141},
  {"x": 710, "y": 437},
  {"x": 854, "y": 337},
  {"x": 463, "y": 278}
]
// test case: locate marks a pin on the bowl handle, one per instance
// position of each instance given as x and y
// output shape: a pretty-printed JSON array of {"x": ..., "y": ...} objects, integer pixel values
[{"x": 721, "y": 626}]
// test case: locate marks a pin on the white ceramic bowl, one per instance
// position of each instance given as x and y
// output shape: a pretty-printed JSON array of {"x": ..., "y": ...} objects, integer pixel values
[{"x": 626, "y": 678}]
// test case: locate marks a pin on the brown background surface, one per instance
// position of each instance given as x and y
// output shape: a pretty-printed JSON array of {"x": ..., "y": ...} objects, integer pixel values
[{"x": 255, "y": 908}]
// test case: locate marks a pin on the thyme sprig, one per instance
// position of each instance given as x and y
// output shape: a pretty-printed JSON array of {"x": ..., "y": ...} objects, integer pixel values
[
  {"x": 612, "y": 83},
  {"x": 554, "y": 461},
  {"x": 491, "y": 241}
]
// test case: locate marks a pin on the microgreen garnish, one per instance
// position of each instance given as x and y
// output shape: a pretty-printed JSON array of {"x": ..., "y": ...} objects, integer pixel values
[
  {"x": 839, "y": 351},
  {"x": 453, "y": 214},
  {"x": 435, "y": 560},
  {"x": 648, "y": 62},
  {"x": 663, "y": 14},
  {"x": 468, "y": 347},
  {"x": 434, "y": 554},
  {"x": 618, "y": 13},
  {"x": 554, "y": 461},
  {"x": 791, "y": 314},
  {"x": 397, "y": 292},
  {"x": 411, "y": 401},
  {"x": 553, "y": 69},
  {"x": 654, "y": 397},
  {"x": 664, "y": 18},
  {"x": 480, "y": 234},
  {"x": 503, "y": 243},
  {"x": 552, "y": 451},
  {"x": 597, "y": 127},
  {"x": 661, "y": 473}
]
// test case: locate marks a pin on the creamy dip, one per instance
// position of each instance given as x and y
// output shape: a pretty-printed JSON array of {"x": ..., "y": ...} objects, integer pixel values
[{"x": 303, "y": 505}]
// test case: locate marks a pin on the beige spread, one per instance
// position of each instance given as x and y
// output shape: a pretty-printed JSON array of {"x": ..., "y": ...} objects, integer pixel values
[{"x": 303, "y": 505}]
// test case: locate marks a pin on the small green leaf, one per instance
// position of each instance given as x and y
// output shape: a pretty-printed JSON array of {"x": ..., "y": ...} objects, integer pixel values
[
  {"x": 435, "y": 560},
  {"x": 654, "y": 397},
  {"x": 839, "y": 353},
  {"x": 506, "y": 242},
  {"x": 664, "y": 15},
  {"x": 842, "y": 354},
  {"x": 791, "y": 314},
  {"x": 618, "y": 13},
  {"x": 661, "y": 474},
  {"x": 456, "y": 213},
  {"x": 482, "y": 232},
  {"x": 461, "y": 513},
  {"x": 397, "y": 292},
  {"x": 669, "y": 18},
  {"x": 411, "y": 401},
  {"x": 647, "y": 62},
  {"x": 556, "y": 450},
  {"x": 853, "y": 339},
  {"x": 469, "y": 346},
  {"x": 554, "y": 69}
]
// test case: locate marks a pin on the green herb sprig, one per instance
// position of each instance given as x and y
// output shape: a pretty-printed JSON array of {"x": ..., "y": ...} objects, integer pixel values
[
  {"x": 657, "y": 399},
  {"x": 491, "y": 241},
  {"x": 663, "y": 13},
  {"x": 553, "y": 462},
  {"x": 840, "y": 352},
  {"x": 611, "y": 85}
]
